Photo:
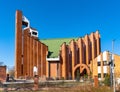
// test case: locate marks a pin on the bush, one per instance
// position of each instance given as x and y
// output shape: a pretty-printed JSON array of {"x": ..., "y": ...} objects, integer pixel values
[
  {"x": 78, "y": 76},
  {"x": 62, "y": 78},
  {"x": 107, "y": 80}
]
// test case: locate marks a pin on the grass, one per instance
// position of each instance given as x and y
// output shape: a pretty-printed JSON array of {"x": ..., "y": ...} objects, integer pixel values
[
  {"x": 64, "y": 87},
  {"x": 79, "y": 89},
  {"x": 73, "y": 89}
]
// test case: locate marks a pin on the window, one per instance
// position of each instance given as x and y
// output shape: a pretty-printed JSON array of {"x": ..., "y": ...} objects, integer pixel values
[
  {"x": 99, "y": 63},
  {"x": 34, "y": 33},
  {"x": 104, "y": 63},
  {"x": 99, "y": 75},
  {"x": 105, "y": 74},
  {"x": 23, "y": 26}
]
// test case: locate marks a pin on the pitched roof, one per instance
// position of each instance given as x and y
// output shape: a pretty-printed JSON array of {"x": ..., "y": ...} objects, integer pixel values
[{"x": 54, "y": 45}]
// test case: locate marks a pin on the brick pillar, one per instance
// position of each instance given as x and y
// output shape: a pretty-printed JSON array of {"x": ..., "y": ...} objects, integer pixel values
[
  {"x": 39, "y": 58},
  {"x": 67, "y": 62},
  {"x": 35, "y": 54},
  {"x": 93, "y": 49},
  {"x": 87, "y": 49},
  {"x": 72, "y": 46},
  {"x": 96, "y": 81},
  {"x": 42, "y": 50},
  {"x": 63, "y": 55},
  {"x": 47, "y": 65},
  {"x": 98, "y": 42},
  {"x": 2, "y": 73},
  {"x": 28, "y": 55},
  {"x": 80, "y": 50},
  {"x": 18, "y": 44},
  {"x": 25, "y": 48},
  {"x": 60, "y": 65},
  {"x": 44, "y": 59},
  {"x": 93, "y": 46},
  {"x": 80, "y": 46},
  {"x": 31, "y": 56},
  {"x": 47, "y": 69}
]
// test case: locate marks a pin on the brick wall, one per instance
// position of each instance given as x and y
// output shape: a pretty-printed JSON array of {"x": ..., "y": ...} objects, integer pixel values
[
  {"x": 117, "y": 66},
  {"x": 30, "y": 52},
  {"x": 2, "y": 73},
  {"x": 80, "y": 52},
  {"x": 34, "y": 53}
]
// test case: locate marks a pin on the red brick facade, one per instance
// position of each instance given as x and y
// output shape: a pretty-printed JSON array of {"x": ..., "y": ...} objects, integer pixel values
[
  {"x": 30, "y": 53},
  {"x": 2, "y": 73},
  {"x": 78, "y": 54}
]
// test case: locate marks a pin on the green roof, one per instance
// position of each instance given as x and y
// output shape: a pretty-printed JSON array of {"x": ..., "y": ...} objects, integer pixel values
[{"x": 54, "y": 45}]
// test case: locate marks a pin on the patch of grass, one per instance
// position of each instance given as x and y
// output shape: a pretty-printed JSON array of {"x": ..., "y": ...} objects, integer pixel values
[
  {"x": 80, "y": 89},
  {"x": 64, "y": 87}
]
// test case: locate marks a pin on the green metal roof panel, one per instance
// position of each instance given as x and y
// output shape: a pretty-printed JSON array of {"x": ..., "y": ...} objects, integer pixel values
[{"x": 54, "y": 45}]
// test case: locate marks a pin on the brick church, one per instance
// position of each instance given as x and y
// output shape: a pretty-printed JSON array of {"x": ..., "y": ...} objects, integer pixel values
[{"x": 56, "y": 58}]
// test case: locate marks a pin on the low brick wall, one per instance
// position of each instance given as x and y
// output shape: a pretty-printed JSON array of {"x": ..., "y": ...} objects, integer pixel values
[{"x": 2, "y": 73}]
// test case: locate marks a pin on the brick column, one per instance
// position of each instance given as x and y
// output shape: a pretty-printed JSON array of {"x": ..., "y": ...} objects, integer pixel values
[
  {"x": 87, "y": 49},
  {"x": 47, "y": 69},
  {"x": 63, "y": 60},
  {"x": 3, "y": 73},
  {"x": 96, "y": 81},
  {"x": 31, "y": 56},
  {"x": 34, "y": 56},
  {"x": 41, "y": 66},
  {"x": 25, "y": 48},
  {"x": 44, "y": 59},
  {"x": 18, "y": 44},
  {"x": 39, "y": 58},
  {"x": 67, "y": 62},
  {"x": 72, "y": 46},
  {"x": 80, "y": 46},
  {"x": 28, "y": 55},
  {"x": 98, "y": 42},
  {"x": 60, "y": 65},
  {"x": 93, "y": 48},
  {"x": 47, "y": 65}
]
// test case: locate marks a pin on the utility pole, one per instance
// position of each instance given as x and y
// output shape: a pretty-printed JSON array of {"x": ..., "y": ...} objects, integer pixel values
[
  {"x": 111, "y": 74},
  {"x": 113, "y": 66}
]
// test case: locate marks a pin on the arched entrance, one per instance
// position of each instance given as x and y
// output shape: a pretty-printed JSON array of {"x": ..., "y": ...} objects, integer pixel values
[
  {"x": 79, "y": 74},
  {"x": 81, "y": 70},
  {"x": 84, "y": 72}
]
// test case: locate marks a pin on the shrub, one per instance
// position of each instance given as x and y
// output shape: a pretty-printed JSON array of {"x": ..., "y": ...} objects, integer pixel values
[
  {"x": 107, "y": 80},
  {"x": 78, "y": 76},
  {"x": 62, "y": 78}
]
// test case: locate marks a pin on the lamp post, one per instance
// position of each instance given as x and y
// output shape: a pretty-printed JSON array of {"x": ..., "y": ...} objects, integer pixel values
[{"x": 113, "y": 66}]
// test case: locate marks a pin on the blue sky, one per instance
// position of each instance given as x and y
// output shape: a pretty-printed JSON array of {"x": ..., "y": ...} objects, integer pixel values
[{"x": 60, "y": 19}]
